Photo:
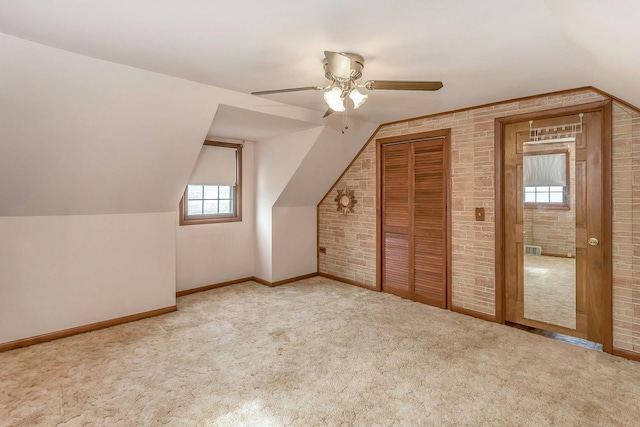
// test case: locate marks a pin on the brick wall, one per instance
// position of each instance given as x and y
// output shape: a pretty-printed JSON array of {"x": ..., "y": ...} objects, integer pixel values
[
  {"x": 350, "y": 240},
  {"x": 626, "y": 228}
]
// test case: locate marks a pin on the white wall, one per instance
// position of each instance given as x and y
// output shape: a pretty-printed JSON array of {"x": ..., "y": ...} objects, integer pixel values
[
  {"x": 93, "y": 158},
  {"x": 294, "y": 221},
  {"x": 214, "y": 253},
  {"x": 277, "y": 159},
  {"x": 294, "y": 241},
  {"x": 325, "y": 161},
  {"x": 59, "y": 272}
]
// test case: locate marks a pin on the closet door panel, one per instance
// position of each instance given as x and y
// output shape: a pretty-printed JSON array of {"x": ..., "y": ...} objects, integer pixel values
[
  {"x": 429, "y": 223},
  {"x": 396, "y": 222}
]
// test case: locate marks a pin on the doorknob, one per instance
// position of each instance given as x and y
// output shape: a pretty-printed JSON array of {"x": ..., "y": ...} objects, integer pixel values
[{"x": 593, "y": 241}]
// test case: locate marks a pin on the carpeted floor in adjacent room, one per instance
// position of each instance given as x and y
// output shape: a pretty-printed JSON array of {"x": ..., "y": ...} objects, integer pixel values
[{"x": 314, "y": 352}]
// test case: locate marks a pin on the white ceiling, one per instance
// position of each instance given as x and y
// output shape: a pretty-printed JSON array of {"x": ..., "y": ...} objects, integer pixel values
[{"x": 483, "y": 51}]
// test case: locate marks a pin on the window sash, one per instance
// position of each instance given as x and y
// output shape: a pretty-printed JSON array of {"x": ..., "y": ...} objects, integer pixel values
[{"x": 206, "y": 195}]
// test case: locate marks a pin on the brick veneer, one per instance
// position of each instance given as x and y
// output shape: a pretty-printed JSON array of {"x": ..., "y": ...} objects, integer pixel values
[
  {"x": 351, "y": 240},
  {"x": 626, "y": 228}
]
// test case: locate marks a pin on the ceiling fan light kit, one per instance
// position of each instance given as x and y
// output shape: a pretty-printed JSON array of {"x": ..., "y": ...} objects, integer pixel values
[
  {"x": 357, "y": 98},
  {"x": 343, "y": 69},
  {"x": 335, "y": 99}
]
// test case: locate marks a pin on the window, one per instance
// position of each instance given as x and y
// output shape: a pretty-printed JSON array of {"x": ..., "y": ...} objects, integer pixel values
[
  {"x": 546, "y": 180},
  {"x": 209, "y": 200},
  {"x": 544, "y": 194},
  {"x": 214, "y": 190}
]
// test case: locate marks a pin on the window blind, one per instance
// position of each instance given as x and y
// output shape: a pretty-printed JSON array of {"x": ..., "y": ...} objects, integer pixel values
[
  {"x": 215, "y": 166},
  {"x": 544, "y": 169}
]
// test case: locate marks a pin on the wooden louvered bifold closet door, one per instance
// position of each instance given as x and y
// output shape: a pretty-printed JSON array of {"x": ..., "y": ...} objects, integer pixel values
[
  {"x": 429, "y": 224},
  {"x": 414, "y": 221},
  {"x": 395, "y": 207}
]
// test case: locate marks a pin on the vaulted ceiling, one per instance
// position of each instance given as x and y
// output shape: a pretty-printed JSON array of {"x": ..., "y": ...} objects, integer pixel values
[{"x": 483, "y": 51}]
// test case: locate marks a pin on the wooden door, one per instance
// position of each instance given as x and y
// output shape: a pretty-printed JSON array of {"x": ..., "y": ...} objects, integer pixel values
[
  {"x": 589, "y": 259},
  {"x": 430, "y": 224},
  {"x": 414, "y": 194},
  {"x": 397, "y": 189}
]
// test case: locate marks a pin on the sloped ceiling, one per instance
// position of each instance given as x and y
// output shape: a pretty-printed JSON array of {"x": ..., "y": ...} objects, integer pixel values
[
  {"x": 242, "y": 124},
  {"x": 81, "y": 136},
  {"x": 483, "y": 51}
]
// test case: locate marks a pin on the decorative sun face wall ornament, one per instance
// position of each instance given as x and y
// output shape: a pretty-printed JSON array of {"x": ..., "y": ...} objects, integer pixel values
[{"x": 345, "y": 200}]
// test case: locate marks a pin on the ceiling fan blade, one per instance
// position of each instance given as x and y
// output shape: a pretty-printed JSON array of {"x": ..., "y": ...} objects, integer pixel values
[
  {"x": 401, "y": 85},
  {"x": 328, "y": 113},
  {"x": 293, "y": 89},
  {"x": 339, "y": 65}
]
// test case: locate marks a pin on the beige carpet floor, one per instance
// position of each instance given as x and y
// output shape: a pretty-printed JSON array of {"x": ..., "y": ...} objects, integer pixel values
[
  {"x": 550, "y": 290},
  {"x": 314, "y": 353}
]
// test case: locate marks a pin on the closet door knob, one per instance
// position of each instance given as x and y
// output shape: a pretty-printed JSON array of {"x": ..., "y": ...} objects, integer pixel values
[{"x": 593, "y": 241}]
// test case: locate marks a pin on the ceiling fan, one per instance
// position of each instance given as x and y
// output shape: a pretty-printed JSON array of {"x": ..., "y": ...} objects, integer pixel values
[{"x": 343, "y": 70}]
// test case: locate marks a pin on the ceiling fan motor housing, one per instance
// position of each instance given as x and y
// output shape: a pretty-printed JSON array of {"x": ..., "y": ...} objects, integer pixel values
[{"x": 357, "y": 64}]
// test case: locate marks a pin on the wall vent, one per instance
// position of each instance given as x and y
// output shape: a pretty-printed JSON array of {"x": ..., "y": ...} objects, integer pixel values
[{"x": 532, "y": 250}]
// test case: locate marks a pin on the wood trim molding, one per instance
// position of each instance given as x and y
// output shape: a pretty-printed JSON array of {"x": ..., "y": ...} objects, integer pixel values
[
  {"x": 475, "y": 314},
  {"x": 498, "y": 225},
  {"x": 607, "y": 227},
  {"x": 631, "y": 355},
  {"x": 293, "y": 279},
  {"x": 282, "y": 282},
  {"x": 555, "y": 112},
  {"x": 261, "y": 281},
  {"x": 449, "y": 221},
  {"x": 379, "y": 238},
  {"x": 348, "y": 281},
  {"x": 38, "y": 339},
  {"x": 615, "y": 98},
  {"x": 213, "y": 286}
]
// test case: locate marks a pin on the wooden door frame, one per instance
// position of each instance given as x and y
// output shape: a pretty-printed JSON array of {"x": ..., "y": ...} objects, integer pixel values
[
  {"x": 440, "y": 133},
  {"x": 605, "y": 108}
]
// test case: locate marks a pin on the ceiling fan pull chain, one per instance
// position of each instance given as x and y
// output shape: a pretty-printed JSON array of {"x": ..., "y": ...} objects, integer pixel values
[{"x": 344, "y": 121}]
